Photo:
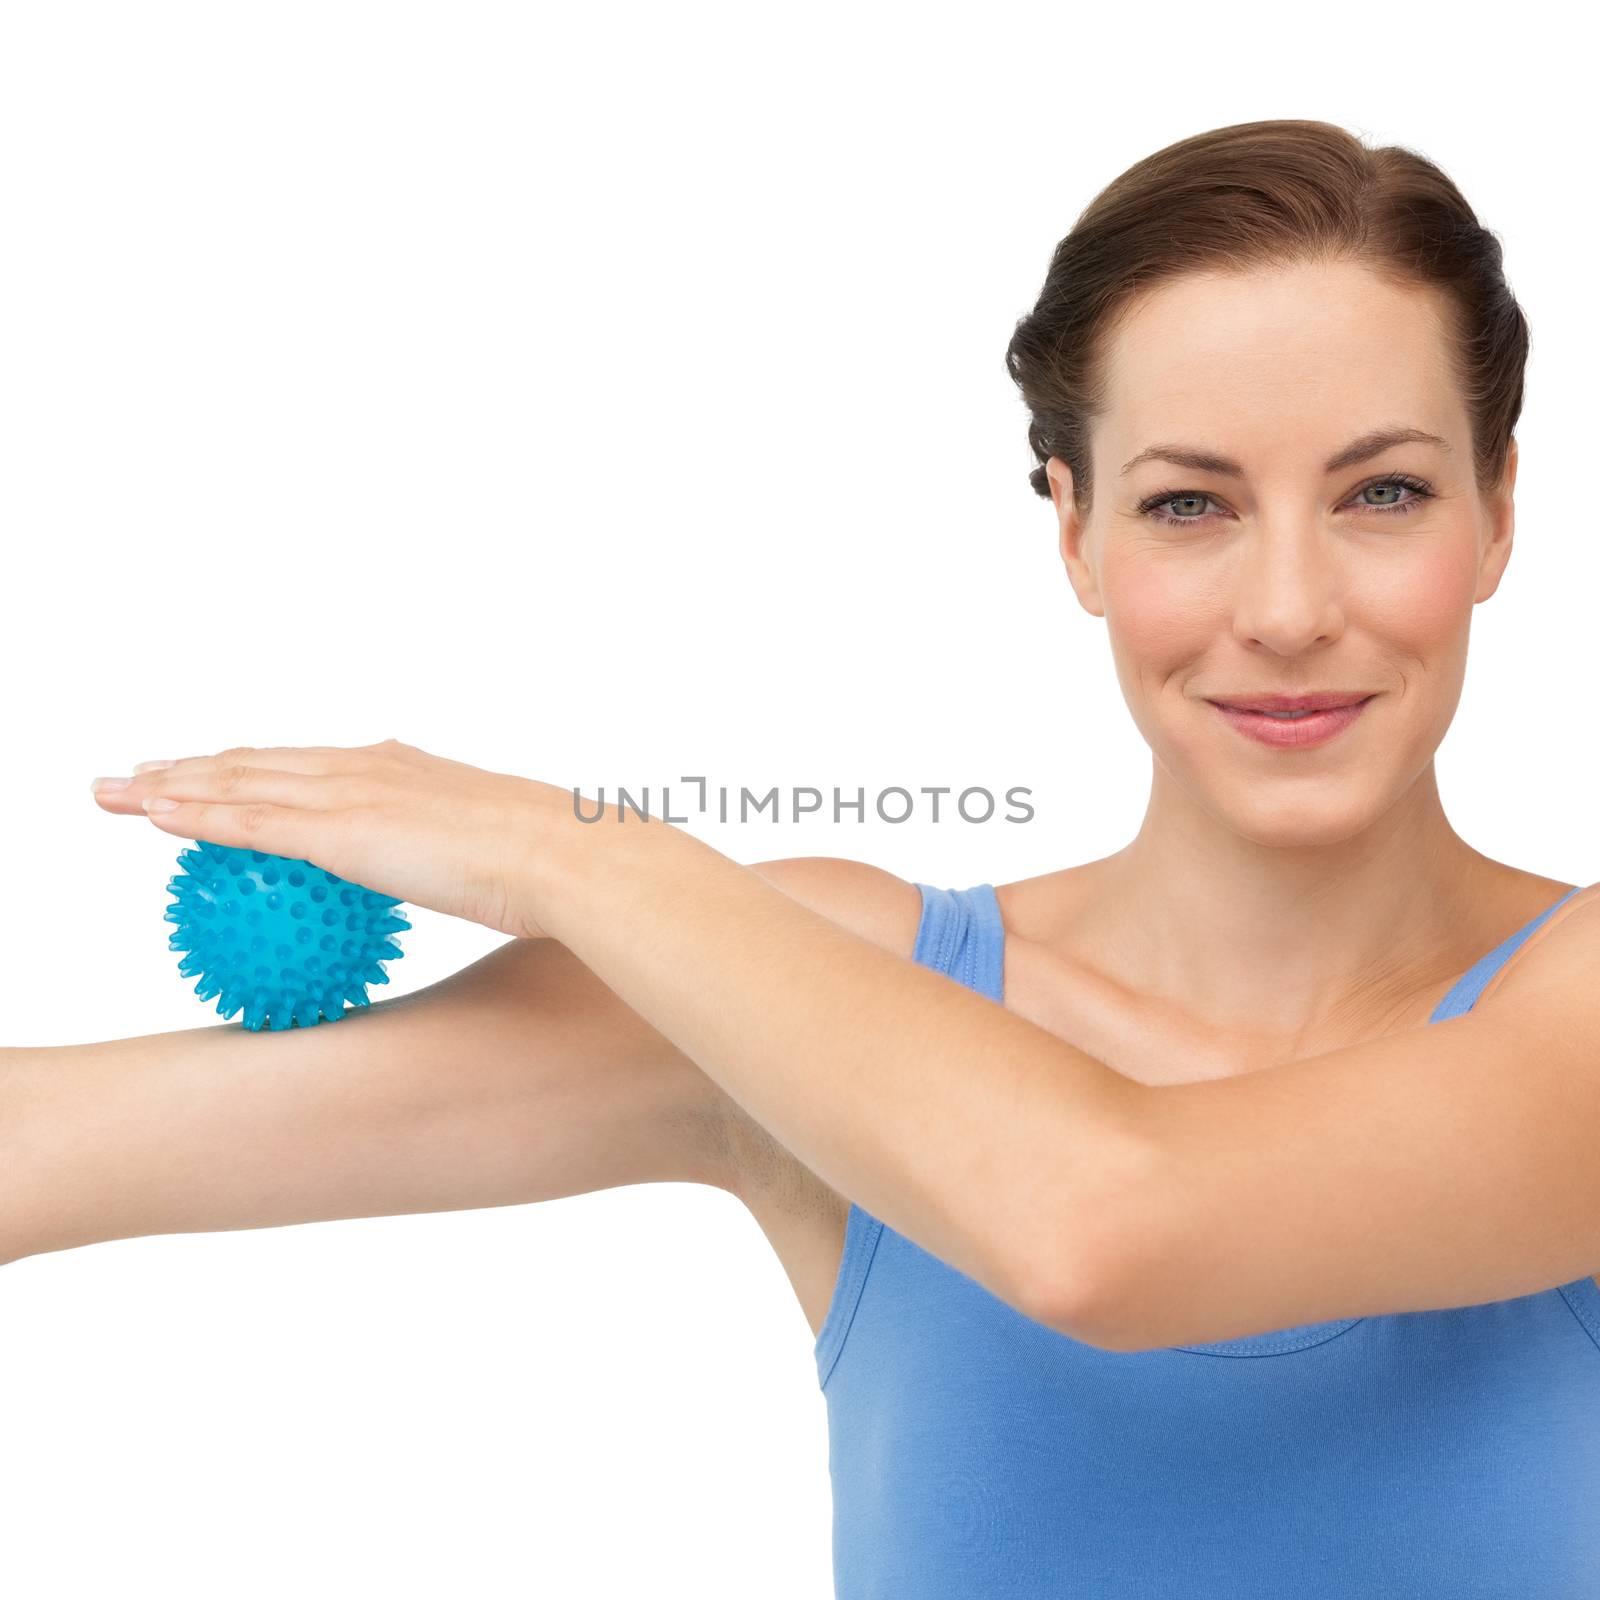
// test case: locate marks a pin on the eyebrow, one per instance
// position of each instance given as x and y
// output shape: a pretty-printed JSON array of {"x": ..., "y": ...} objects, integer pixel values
[{"x": 1357, "y": 451}]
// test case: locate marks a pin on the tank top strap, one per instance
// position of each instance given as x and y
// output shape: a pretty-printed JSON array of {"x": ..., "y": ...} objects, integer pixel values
[
  {"x": 962, "y": 936},
  {"x": 1464, "y": 994}
]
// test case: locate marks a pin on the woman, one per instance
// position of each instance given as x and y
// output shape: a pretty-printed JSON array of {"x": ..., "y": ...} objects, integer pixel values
[{"x": 1226, "y": 1226}]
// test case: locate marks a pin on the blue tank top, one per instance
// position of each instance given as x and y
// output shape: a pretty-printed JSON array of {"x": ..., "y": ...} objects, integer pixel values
[{"x": 976, "y": 1453}]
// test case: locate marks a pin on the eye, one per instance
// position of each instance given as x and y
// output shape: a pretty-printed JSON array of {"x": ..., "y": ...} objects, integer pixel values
[{"x": 1419, "y": 492}]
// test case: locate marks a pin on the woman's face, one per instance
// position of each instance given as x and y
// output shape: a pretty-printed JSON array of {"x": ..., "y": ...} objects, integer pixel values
[{"x": 1285, "y": 576}]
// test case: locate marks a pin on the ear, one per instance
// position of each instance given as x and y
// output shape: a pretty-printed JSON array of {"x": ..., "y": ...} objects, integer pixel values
[
  {"x": 1080, "y": 573},
  {"x": 1500, "y": 526}
]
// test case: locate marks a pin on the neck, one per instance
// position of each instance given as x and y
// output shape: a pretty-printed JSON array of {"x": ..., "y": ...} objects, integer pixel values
[{"x": 1289, "y": 941}]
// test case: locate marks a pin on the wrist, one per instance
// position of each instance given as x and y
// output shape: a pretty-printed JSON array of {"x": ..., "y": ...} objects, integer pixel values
[{"x": 572, "y": 863}]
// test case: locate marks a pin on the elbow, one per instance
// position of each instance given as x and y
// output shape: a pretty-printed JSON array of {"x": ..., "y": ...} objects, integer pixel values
[
  {"x": 1099, "y": 1287},
  {"x": 1094, "y": 1306}
]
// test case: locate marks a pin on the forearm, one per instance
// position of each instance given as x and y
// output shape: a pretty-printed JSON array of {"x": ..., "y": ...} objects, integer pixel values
[{"x": 968, "y": 1129}]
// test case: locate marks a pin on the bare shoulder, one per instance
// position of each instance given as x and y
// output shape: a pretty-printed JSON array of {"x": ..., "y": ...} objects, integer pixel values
[
  {"x": 1557, "y": 964},
  {"x": 870, "y": 902}
]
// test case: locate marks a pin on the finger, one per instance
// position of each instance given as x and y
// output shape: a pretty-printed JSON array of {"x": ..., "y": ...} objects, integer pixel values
[
  {"x": 240, "y": 785},
  {"x": 128, "y": 801},
  {"x": 238, "y": 782},
  {"x": 277, "y": 830},
  {"x": 282, "y": 758}
]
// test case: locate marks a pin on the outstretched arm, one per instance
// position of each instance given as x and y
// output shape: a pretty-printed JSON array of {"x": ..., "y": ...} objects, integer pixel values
[
  {"x": 1450, "y": 1165},
  {"x": 519, "y": 1078},
  {"x": 934, "y": 1108}
]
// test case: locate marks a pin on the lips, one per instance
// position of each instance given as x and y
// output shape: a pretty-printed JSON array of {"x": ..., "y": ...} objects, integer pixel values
[
  {"x": 1303, "y": 731},
  {"x": 1328, "y": 700}
]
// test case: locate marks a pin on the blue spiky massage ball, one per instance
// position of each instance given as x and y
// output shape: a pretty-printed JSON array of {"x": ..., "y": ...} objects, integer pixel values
[{"x": 284, "y": 940}]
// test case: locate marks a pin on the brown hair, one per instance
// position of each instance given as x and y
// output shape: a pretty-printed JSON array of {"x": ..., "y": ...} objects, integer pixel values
[{"x": 1266, "y": 194}]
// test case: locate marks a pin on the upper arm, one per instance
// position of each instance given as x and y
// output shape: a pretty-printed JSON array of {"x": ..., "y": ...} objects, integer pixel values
[{"x": 521, "y": 1077}]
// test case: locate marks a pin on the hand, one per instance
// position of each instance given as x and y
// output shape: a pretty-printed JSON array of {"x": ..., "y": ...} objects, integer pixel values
[{"x": 387, "y": 816}]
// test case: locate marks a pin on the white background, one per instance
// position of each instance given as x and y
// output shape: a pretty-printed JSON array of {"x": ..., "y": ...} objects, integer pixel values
[{"x": 602, "y": 394}]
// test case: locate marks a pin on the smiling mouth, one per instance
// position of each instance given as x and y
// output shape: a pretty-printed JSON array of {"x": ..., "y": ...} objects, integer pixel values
[
  {"x": 1294, "y": 716},
  {"x": 1295, "y": 727},
  {"x": 1292, "y": 707}
]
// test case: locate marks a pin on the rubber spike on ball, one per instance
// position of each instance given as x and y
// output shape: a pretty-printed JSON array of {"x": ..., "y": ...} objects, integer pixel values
[{"x": 284, "y": 941}]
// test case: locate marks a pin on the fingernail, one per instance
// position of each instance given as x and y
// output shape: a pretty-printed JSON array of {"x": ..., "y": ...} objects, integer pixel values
[
  {"x": 109, "y": 783},
  {"x": 151, "y": 766},
  {"x": 157, "y": 802}
]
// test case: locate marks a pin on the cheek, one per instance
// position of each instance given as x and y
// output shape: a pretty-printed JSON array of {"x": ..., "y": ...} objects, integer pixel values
[
  {"x": 1160, "y": 614},
  {"x": 1424, "y": 603},
  {"x": 1161, "y": 618}
]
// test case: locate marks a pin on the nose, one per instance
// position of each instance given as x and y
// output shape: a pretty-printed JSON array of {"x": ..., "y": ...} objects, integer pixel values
[{"x": 1286, "y": 590}]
